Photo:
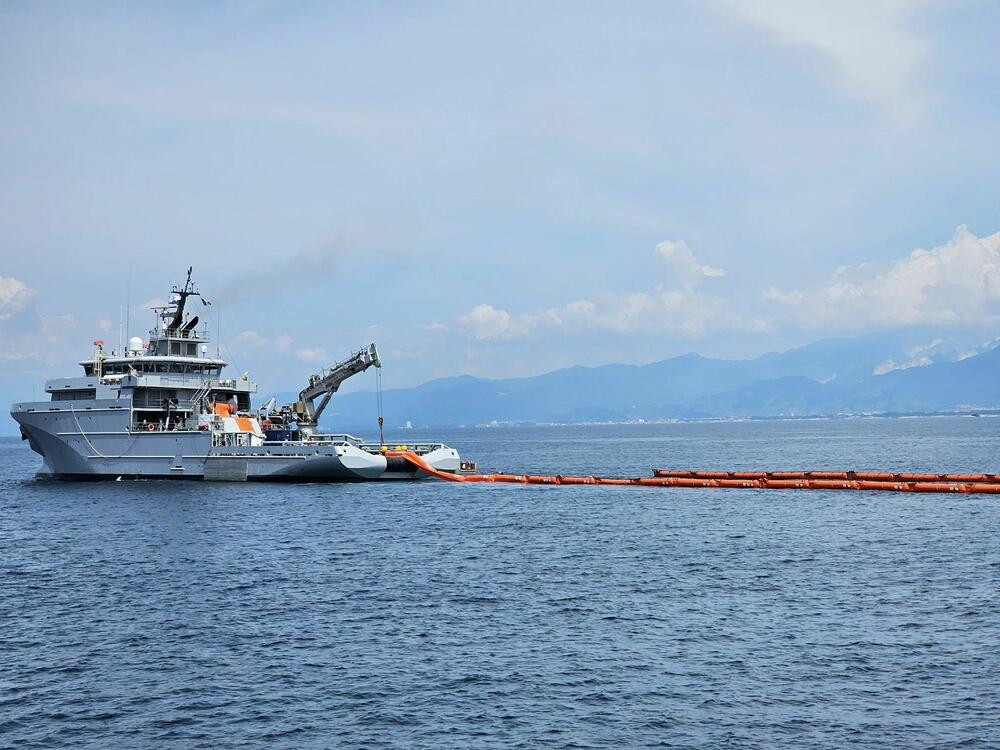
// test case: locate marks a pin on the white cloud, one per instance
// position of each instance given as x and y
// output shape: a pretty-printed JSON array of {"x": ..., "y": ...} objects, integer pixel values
[
  {"x": 55, "y": 326},
  {"x": 311, "y": 355},
  {"x": 876, "y": 54},
  {"x": 434, "y": 326},
  {"x": 683, "y": 261},
  {"x": 25, "y": 334},
  {"x": 774, "y": 294},
  {"x": 958, "y": 282},
  {"x": 14, "y": 294},
  {"x": 46, "y": 338},
  {"x": 684, "y": 311},
  {"x": 251, "y": 341},
  {"x": 487, "y": 322}
]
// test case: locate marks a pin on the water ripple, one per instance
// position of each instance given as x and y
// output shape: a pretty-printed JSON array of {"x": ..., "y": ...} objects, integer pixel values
[{"x": 427, "y": 615}]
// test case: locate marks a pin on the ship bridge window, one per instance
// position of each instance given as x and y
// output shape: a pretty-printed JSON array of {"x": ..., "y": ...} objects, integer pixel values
[
  {"x": 175, "y": 347},
  {"x": 76, "y": 394},
  {"x": 156, "y": 398}
]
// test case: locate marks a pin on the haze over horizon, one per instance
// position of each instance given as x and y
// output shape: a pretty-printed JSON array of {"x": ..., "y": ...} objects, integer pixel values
[{"x": 495, "y": 190}]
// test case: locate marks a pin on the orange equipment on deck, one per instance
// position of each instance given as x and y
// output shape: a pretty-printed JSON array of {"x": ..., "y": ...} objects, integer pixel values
[
  {"x": 764, "y": 480},
  {"x": 223, "y": 409}
]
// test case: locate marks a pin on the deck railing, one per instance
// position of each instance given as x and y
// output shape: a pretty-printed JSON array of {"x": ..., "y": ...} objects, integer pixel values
[
  {"x": 194, "y": 334},
  {"x": 356, "y": 442}
]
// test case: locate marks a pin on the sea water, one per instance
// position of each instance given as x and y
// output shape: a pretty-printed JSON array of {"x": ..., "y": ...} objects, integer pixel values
[{"x": 423, "y": 615}]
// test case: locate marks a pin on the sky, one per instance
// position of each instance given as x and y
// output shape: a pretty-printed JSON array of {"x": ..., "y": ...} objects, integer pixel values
[{"x": 495, "y": 189}]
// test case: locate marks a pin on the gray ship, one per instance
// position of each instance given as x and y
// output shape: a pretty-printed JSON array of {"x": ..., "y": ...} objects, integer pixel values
[{"x": 163, "y": 409}]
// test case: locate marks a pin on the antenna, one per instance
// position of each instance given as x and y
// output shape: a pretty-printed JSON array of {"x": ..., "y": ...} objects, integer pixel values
[
  {"x": 128, "y": 300},
  {"x": 182, "y": 294}
]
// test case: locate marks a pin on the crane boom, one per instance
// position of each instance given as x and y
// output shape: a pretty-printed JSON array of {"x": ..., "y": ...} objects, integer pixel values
[{"x": 324, "y": 385}]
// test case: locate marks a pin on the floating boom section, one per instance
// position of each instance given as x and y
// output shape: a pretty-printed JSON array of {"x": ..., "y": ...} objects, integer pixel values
[
  {"x": 761, "y": 480},
  {"x": 306, "y": 412}
]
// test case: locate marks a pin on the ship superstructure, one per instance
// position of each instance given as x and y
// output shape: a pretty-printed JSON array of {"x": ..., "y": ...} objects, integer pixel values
[{"x": 164, "y": 409}]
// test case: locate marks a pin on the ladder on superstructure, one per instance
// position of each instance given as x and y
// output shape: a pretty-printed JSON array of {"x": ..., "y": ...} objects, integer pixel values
[{"x": 199, "y": 394}]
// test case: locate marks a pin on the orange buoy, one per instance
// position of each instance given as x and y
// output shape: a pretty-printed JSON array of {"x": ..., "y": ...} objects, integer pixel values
[
  {"x": 892, "y": 486},
  {"x": 992, "y": 489},
  {"x": 574, "y": 480},
  {"x": 936, "y": 487},
  {"x": 786, "y": 484},
  {"x": 737, "y": 483},
  {"x": 832, "y": 484},
  {"x": 920, "y": 477}
]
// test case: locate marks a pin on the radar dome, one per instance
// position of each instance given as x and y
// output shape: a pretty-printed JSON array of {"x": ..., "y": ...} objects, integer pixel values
[{"x": 135, "y": 344}]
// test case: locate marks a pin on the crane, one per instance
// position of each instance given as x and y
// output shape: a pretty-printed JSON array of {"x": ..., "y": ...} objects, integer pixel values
[{"x": 305, "y": 412}]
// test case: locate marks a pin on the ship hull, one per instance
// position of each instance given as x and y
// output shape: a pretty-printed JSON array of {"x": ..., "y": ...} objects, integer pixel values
[{"x": 93, "y": 444}]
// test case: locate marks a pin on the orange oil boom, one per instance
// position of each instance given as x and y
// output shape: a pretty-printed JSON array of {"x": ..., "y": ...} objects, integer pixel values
[{"x": 764, "y": 480}]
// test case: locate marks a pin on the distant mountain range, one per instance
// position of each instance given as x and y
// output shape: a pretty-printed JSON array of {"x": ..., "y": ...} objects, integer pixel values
[{"x": 901, "y": 371}]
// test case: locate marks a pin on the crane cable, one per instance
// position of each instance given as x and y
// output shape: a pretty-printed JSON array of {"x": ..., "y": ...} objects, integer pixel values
[{"x": 378, "y": 396}]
